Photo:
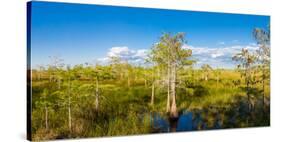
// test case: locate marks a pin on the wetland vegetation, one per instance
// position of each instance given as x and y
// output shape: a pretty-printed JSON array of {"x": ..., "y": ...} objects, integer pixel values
[{"x": 166, "y": 94}]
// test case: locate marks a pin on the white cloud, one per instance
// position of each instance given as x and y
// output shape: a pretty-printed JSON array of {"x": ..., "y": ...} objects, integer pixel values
[
  {"x": 118, "y": 51},
  {"x": 125, "y": 54},
  {"x": 215, "y": 55},
  {"x": 219, "y": 56},
  {"x": 141, "y": 53},
  {"x": 103, "y": 60}
]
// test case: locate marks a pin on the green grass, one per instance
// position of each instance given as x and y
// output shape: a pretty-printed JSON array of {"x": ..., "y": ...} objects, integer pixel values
[{"x": 126, "y": 110}]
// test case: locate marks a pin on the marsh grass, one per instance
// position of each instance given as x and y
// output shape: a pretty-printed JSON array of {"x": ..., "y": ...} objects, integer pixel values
[{"x": 127, "y": 110}]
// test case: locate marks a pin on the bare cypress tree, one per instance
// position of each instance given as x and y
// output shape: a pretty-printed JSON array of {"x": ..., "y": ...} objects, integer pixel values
[
  {"x": 263, "y": 39},
  {"x": 206, "y": 71},
  {"x": 247, "y": 60},
  {"x": 168, "y": 52}
]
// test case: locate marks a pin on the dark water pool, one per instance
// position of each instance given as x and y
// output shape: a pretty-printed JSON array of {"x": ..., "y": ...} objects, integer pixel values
[{"x": 187, "y": 121}]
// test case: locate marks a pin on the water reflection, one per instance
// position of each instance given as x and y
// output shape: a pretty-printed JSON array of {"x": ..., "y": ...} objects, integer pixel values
[
  {"x": 187, "y": 121},
  {"x": 212, "y": 117},
  {"x": 159, "y": 123}
]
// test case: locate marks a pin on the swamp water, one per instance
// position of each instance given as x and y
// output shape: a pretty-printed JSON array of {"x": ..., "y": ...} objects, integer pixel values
[{"x": 187, "y": 121}]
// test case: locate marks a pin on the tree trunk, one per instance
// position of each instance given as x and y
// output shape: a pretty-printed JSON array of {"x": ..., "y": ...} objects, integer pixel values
[
  {"x": 168, "y": 90},
  {"x": 69, "y": 114},
  {"x": 145, "y": 83},
  {"x": 206, "y": 77},
  {"x": 247, "y": 89},
  {"x": 46, "y": 118},
  {"x": 152, "y": 93},
  {"x": 69, "y": 107},
  {"x": 174, "y": 112},
  {"x": 59, "y": 82},
  {"x": 97, "y": 93},
  {"x": 46, "y": 114}
]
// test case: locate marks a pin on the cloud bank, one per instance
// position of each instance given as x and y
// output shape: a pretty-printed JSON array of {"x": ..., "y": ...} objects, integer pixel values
[{"x": 219, "y": 57}]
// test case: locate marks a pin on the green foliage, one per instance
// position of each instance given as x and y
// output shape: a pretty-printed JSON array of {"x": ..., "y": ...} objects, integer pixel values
[{"x": 64, "y": 98}]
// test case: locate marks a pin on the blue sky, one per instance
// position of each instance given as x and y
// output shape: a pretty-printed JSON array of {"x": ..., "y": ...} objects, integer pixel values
[{"x": 90, "y": 33}]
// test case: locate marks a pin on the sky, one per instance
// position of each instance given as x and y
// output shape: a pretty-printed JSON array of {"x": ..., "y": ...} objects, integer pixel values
[{"x": 80, "y": 33}]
